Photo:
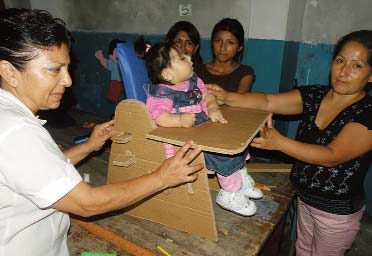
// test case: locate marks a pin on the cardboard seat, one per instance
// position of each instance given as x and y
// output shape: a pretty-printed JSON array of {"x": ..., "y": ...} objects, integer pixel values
[
  {"x": 176, "y": 207},
  {"x": 138, "y": 150},
  {"x": 187, "y": 207}
]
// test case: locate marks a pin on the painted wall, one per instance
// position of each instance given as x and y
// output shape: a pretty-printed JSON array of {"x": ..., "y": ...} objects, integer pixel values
[
  {"x": 17, "y": 3},
  {"x": 288, "y": 46},
  {"x": 267, "y": 32},
  {"x": 266, "y": 23},
  {"x": 287, "y": 41},
  {"x": 327, "y": 20},
  {"x": 143, "y": 16},
  {"x": 323, "y": 24}
]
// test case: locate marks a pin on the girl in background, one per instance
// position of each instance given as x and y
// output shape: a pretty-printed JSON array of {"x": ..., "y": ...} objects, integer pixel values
[
  {"x": 186, "y": 38},
  {"x": 227, "y": 44},
  {"x": 178, "y": 98},
  {"x": 225, "y": 70}
]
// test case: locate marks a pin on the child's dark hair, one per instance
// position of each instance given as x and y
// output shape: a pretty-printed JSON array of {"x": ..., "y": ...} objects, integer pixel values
[
  {"x": 140, "y": 46},
  {"x": 235, "y": 28},
  {"x": 157, "y": 59},
  {"x": 113, "y": 44}
]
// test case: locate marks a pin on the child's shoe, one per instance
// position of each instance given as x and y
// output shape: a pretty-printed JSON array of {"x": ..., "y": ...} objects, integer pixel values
[
  {"x": 248, "y": 185},
  {"x": 236, "y": 202}
]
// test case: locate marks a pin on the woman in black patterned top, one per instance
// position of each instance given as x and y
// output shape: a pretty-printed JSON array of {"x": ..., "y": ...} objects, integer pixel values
[{"x": 333, "y": 148}]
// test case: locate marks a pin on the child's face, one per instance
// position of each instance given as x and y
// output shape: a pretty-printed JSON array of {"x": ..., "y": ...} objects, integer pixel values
[
  {"x": 180, "y": 68},
  {"x": 225, "y": 45}
]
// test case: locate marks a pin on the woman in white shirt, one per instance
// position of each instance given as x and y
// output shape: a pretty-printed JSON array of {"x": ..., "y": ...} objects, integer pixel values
[{"x": 38, "y": 182}]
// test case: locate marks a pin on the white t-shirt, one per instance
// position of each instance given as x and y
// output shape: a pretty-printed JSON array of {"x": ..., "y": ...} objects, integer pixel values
[{"x": 34, "y": 174}]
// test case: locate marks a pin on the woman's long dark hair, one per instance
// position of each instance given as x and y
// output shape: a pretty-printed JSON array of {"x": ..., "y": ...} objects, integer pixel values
[
  {"x": 193, "y": 34},
  {"x": 235, "y": 28},
  {"x": 363, "y": 37}
]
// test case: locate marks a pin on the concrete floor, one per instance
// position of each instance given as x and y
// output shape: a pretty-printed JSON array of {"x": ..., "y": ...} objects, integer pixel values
[{"x": 363, "y": 244}]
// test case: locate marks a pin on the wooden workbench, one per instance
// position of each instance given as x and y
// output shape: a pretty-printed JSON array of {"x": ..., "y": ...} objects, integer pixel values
[
  {"x": 148, "y": 234},
  {"x": 237, "y": 235}
]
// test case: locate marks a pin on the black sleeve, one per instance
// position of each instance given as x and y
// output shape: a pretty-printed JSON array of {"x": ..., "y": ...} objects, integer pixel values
[{"x": 366, "y": 119}]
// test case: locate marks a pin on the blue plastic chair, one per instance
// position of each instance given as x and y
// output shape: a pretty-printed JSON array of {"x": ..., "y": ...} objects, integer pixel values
[
  {"x": 133, "y": 71},
  {"x": 134, "y": 74}
]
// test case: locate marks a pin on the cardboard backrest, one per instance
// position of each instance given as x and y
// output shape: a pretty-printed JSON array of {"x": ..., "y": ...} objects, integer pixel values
[
  {"x": 133, "y": 71},
  {"x": 137, "y": 156}
]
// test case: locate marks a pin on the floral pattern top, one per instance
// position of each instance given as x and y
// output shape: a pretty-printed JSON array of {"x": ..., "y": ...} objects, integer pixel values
[{"x": 337, "y": 189}]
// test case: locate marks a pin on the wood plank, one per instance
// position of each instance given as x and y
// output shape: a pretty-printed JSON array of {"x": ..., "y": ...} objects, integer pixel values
[
  {"x": 230, "y": 138},
  {"x": 113, "y": 238},
  {"x": 268, "y": 167},
  {"x": 81, "y": 240}
]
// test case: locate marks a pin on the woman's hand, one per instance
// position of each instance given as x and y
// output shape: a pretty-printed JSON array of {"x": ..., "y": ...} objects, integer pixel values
[
  {"x": 218, "y": 92},
  {"x": 177, "y": 169},
  {"x": 270, "y": 138},
  {"x": 87, "y": 201},
  {"x": 97, "y": 139},
  {"x": 101, "y": 133}
]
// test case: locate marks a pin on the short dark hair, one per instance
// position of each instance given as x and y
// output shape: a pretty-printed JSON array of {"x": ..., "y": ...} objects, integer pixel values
[
  {"x": 157, "y": 59},
  {"x": 113, "y": 44},
  {"x": 24, "y": 31},
  {"x": 234, "y": 27},
  {"x": 362, "y": 36},
  {"x": 140, "y": 46},
  {"x": 193, "y": 34}
]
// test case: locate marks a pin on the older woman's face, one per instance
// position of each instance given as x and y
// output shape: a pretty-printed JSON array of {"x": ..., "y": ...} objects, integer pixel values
[
  {"x": 42, "y": 84},
  {"x": 350, "y": 69},
  {"x": 183, "y": 42}
]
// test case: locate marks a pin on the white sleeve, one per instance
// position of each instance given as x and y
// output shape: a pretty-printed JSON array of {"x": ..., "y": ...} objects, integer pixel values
[{"x": 32, "y": 165}]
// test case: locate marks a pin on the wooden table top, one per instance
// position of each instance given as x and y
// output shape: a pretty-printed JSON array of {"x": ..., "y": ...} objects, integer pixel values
[{"x": 238, "y": 235}]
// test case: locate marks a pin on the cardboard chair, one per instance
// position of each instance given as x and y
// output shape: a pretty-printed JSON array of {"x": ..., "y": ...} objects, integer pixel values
[
  {"x": 133, "y": 155},
  {"x": 138, "y": 149}
]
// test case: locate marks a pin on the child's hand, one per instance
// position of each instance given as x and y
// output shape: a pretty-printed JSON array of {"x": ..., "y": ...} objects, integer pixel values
[
  {"x": 187, "y": 120},
  {"x": 216, "y": 115}
]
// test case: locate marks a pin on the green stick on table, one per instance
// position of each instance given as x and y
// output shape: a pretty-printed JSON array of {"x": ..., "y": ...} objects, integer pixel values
[{"x": 96, "y": 254}]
